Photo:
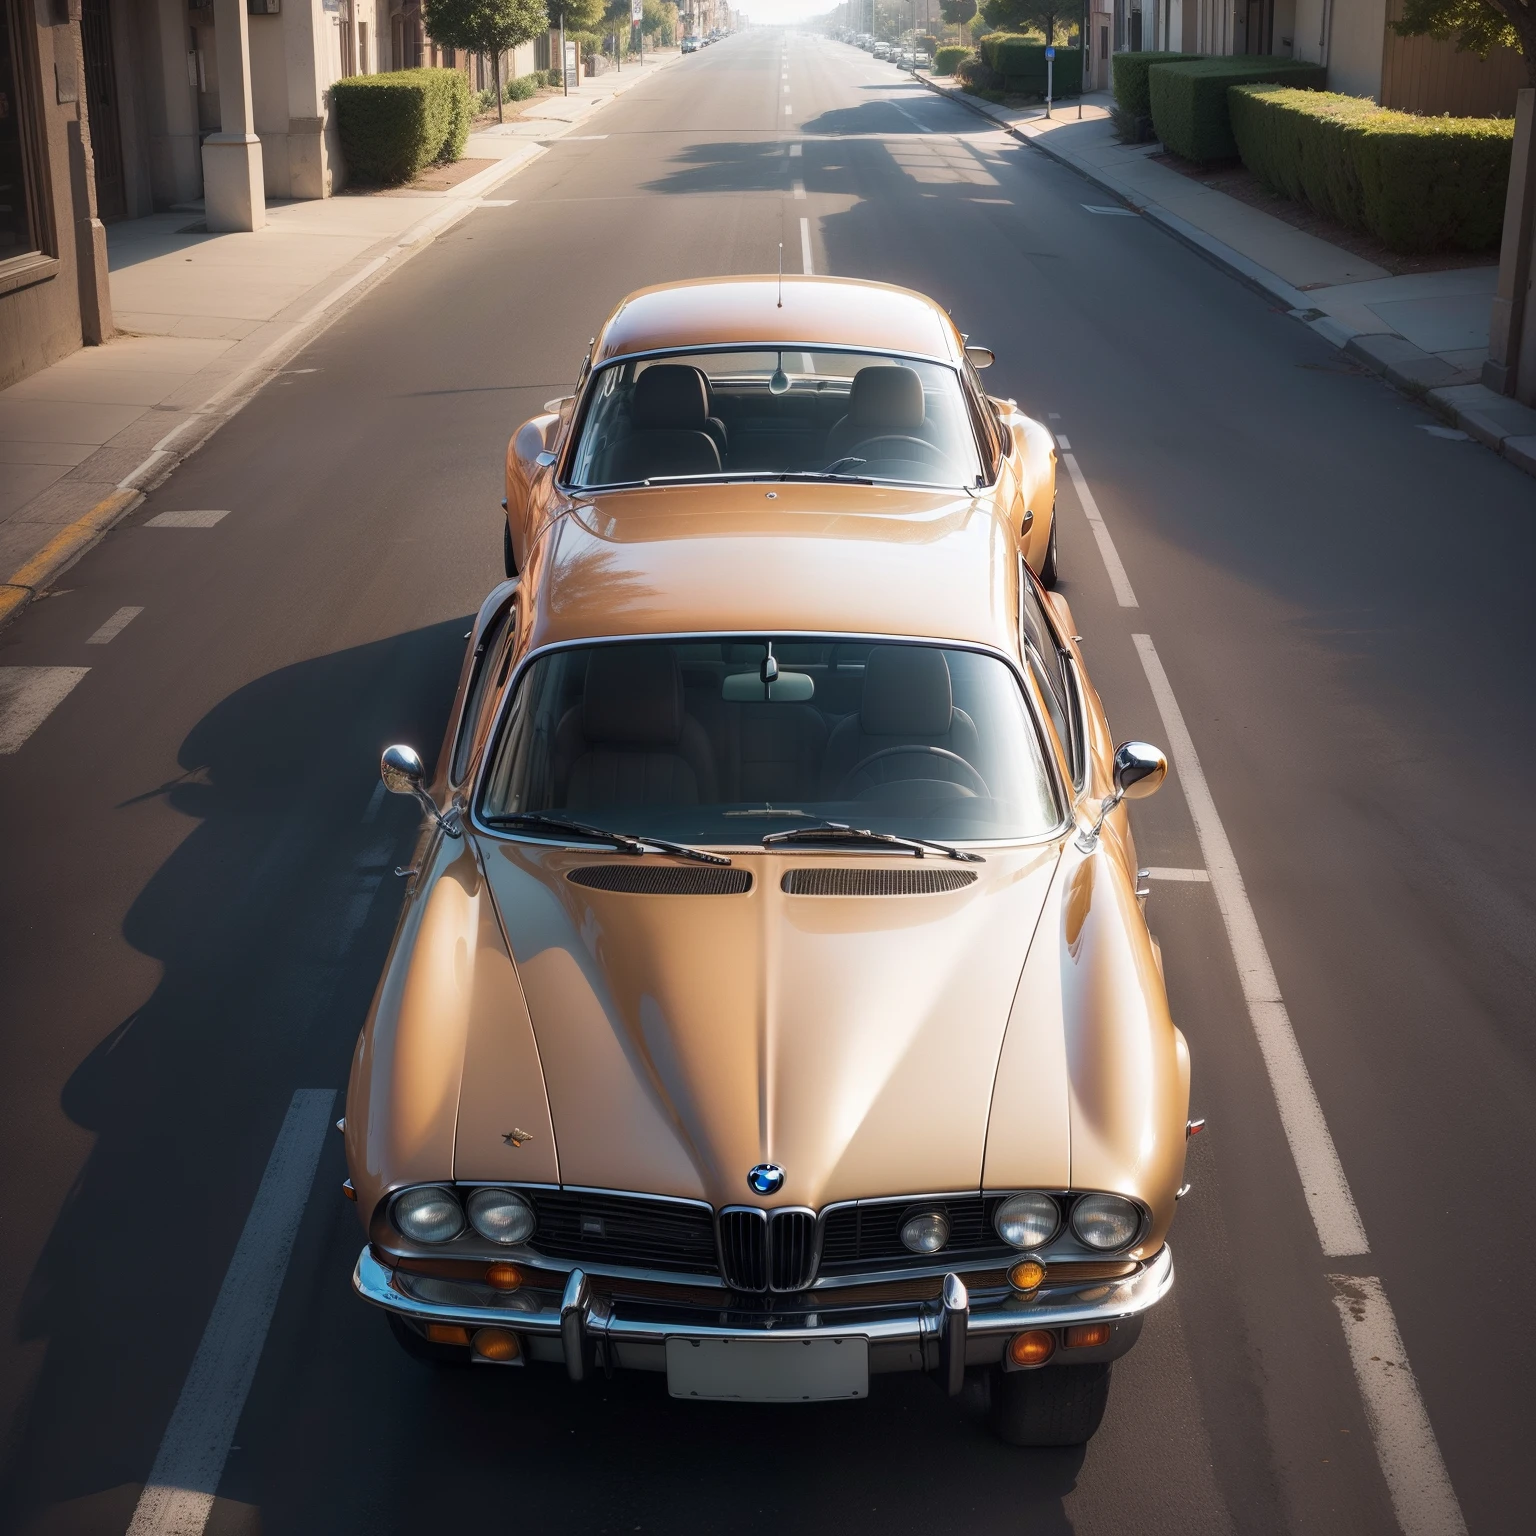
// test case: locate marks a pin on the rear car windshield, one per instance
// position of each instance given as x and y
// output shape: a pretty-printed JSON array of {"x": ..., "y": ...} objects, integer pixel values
[
  {"x": 688, "y": 741},
  {"x": 735, "y": 414}
]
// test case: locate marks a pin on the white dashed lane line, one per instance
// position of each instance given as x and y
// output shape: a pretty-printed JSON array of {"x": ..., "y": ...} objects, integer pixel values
[
  {"x": 799, "y": 191},
  {"x": 114, "y": 626},
  {"x": 28, "y": 695},
  {"x": 805, "y": 247},
  {"x": 796, "y": 151},
  {"x": 186, "y": 519},
  {"x": 1124, "y": 595}
]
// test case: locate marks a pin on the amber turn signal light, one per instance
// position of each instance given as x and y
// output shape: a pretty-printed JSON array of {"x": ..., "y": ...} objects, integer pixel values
[
  {"x": 496, "y": 1344},
  {"x": 1026, "y": 1275},
  {"x": 1086, "y": 1335},
  {"x": 447, "y": 1333},
  {"x": 1032, "y": 1348},
  {"x": 503, "y": 1277}
]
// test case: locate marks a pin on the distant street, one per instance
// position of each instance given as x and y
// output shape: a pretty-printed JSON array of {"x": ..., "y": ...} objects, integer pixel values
[{"x": 200, "y": 883}]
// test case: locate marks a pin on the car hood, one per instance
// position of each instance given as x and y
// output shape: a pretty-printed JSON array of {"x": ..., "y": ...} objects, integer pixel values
[{"x": 852, "y": 1040}]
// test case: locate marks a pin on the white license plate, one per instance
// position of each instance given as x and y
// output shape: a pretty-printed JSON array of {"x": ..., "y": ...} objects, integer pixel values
[{"x": 768, "y": 1370}]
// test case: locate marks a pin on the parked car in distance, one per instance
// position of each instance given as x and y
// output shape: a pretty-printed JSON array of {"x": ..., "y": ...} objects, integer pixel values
[
  {"x": 692, "y": 44},
  {"x": 773, "y": 1005}
]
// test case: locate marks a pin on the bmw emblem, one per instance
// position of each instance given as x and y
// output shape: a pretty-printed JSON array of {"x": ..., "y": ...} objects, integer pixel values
[{"x": 766, "y": 1179}]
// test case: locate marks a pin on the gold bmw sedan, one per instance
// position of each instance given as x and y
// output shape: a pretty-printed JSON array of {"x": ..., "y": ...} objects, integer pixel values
[{"x": 773, "y": 1007}]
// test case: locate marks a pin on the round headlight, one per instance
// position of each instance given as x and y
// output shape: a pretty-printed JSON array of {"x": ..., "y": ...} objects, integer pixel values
[
  {"x": 430, "y": 1214},
  {"x": 1026, "y": 1221},
  {"x": 1105, "y": 1221},
  {"x": 501, "y": 1216},
  {"x": 925, "y": 1231}
]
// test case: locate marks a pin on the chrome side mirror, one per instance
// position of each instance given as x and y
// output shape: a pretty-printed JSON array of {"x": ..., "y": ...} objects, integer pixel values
[
  {"x": 402, "y": 773},
  {"x": 1140, "y": 769},
  {"x": 980, "y": 357}
]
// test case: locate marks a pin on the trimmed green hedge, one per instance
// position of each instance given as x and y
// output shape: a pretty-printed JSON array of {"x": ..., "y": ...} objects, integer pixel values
[
  {"x": 1021, "y": 63},
  {"x": 1130, "y": 71},
  {"x": 1416, "y": 183},
  {"x": 945, "y": 60},
  {"x": 1189, "y": 100},
  {"x": 392, "y": 125}
]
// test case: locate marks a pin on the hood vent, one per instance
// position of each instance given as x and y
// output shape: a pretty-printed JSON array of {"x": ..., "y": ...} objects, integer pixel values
[
  {"x": 662, "y": 879},
  {"x": 876, "y": 881}
]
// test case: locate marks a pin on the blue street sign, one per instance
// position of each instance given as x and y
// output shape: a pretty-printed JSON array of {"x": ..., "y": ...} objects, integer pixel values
[{"x": 1050, "y": 53}]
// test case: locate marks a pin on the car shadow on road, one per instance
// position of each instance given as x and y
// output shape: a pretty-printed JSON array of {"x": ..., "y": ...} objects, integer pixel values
[{"x": 269, "y": 920}]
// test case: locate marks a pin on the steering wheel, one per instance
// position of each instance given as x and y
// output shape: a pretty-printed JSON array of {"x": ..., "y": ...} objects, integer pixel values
[
  {"x": 926, "y": 452},
  {"x": 973, "y": 781}
]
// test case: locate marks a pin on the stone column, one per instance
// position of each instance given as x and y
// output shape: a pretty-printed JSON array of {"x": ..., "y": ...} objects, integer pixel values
[
  {"x": 1511, "y": 365},
  {"x": 232, "y": 179}
]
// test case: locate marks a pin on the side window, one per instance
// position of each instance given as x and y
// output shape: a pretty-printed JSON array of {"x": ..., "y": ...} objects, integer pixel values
[
  {"x": 493, "y": 656},
  {"x": 985, "y": 420},
  {"x": 1053, "y": 673}
]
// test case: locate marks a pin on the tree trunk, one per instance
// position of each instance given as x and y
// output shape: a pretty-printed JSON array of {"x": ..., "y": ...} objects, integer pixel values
[{"x": 496, "y": 76}]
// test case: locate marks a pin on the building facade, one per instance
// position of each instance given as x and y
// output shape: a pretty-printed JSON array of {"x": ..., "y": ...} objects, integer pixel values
[
  {"x": 53, "y": 255},
  {"x": 1353, "y": 38}
]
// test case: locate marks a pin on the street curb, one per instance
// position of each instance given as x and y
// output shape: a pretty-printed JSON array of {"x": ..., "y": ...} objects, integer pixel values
[
  {"x": 76, "y": 538},
  {"x": 1477, "y": 419}
]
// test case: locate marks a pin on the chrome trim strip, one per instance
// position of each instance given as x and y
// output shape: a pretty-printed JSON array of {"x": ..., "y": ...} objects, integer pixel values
[
  {"x": 1066, "y": 799},
  {"x": 573, "y": 1320}
]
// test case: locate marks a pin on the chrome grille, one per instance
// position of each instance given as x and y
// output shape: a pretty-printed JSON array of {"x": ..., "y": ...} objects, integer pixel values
[
  {"x": 624, "y": 1229},
  {"x": 744, "y": 1250},
  {"x": 791, "y": 1250},
  {"x": 868, "y": 1237}
]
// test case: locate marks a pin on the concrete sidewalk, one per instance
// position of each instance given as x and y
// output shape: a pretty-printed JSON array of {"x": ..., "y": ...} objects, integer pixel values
[
  {"x": 1426, "y": 333},
  {"x": 204, "y": 320}
]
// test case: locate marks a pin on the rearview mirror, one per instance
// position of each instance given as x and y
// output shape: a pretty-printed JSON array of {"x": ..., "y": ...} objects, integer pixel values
[
  {"x": 784, "y": 688},
  {"x": 980, "y": 357}
]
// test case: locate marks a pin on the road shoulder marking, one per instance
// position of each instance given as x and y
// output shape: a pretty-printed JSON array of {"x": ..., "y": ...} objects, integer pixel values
[
  {"x": 178, "y": 1497},
  {"x": 1317, "y": 1160},
  {"x": 28, "y": 695},
  {"x": 1124, "y": 595},
  {"x": 1422, "y": 1496}
]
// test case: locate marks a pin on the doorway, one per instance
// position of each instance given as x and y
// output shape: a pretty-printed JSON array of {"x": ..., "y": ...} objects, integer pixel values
[{"x": 101, "y": 108}]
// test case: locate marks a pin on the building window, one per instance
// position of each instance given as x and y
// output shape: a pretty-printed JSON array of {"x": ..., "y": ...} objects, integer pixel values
[{"x": 19, "y": 223}]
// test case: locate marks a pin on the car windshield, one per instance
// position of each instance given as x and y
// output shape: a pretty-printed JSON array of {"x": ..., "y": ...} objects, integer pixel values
[
  {"x": 735, "y": 414},
  {"x": 687, "y": 741}
]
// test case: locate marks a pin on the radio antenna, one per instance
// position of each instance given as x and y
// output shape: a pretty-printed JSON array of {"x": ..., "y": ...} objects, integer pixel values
[{"x": 781, "y": 274}]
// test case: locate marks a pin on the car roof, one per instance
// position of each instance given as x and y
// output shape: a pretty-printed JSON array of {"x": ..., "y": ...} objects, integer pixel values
[
  {"x": 723, "y": 559},
  {"x": 773, "y": 311}
]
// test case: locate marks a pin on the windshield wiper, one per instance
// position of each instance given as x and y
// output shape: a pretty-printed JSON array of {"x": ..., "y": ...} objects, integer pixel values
[
  {"x": 625, "y": 842},
  {"x": 840, "y": 832}
]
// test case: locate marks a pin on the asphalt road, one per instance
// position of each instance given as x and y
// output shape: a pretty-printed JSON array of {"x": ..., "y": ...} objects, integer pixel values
[{"x": 198, "y": 894}]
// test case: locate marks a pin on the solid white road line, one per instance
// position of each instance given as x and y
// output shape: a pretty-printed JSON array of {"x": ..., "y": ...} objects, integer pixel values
[
  {"x": 1107, "y": 551},
  {"x": 921, "y": 127},
  {"x": 185, "y": 519},
  {"x": 28, "y": 695},
  {"x": 1063, "y": 444},
  {"x": 1156, "y": 873},
  {"x": 805, "y": 247},
  {"x": 799, "y": 191},
  {"x": 1421, "y": 1490},
  {"x": 178, "y": 1498},
  {"x": 114, "y": 626},
  {"x": 1317, "y": 1160}
]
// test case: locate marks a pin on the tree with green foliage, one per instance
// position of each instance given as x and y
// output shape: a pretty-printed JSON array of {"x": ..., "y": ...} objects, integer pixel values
[
  {"x": 574, "y": 15},
  {"x": 1047, "y": 16},
  {"x": 1479, "y": 26},
  {"x": 485, "y": 26},
  {"x": 957, "y": 12}
]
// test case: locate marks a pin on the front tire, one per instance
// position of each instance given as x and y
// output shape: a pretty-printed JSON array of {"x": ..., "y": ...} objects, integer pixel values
[
  {"x": 1060, "y": 1405},
  {"x": 1050, "y": 570}
]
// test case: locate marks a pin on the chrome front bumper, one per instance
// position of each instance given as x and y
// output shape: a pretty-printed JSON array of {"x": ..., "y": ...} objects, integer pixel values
[{"x": 588, "y": 1329}]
